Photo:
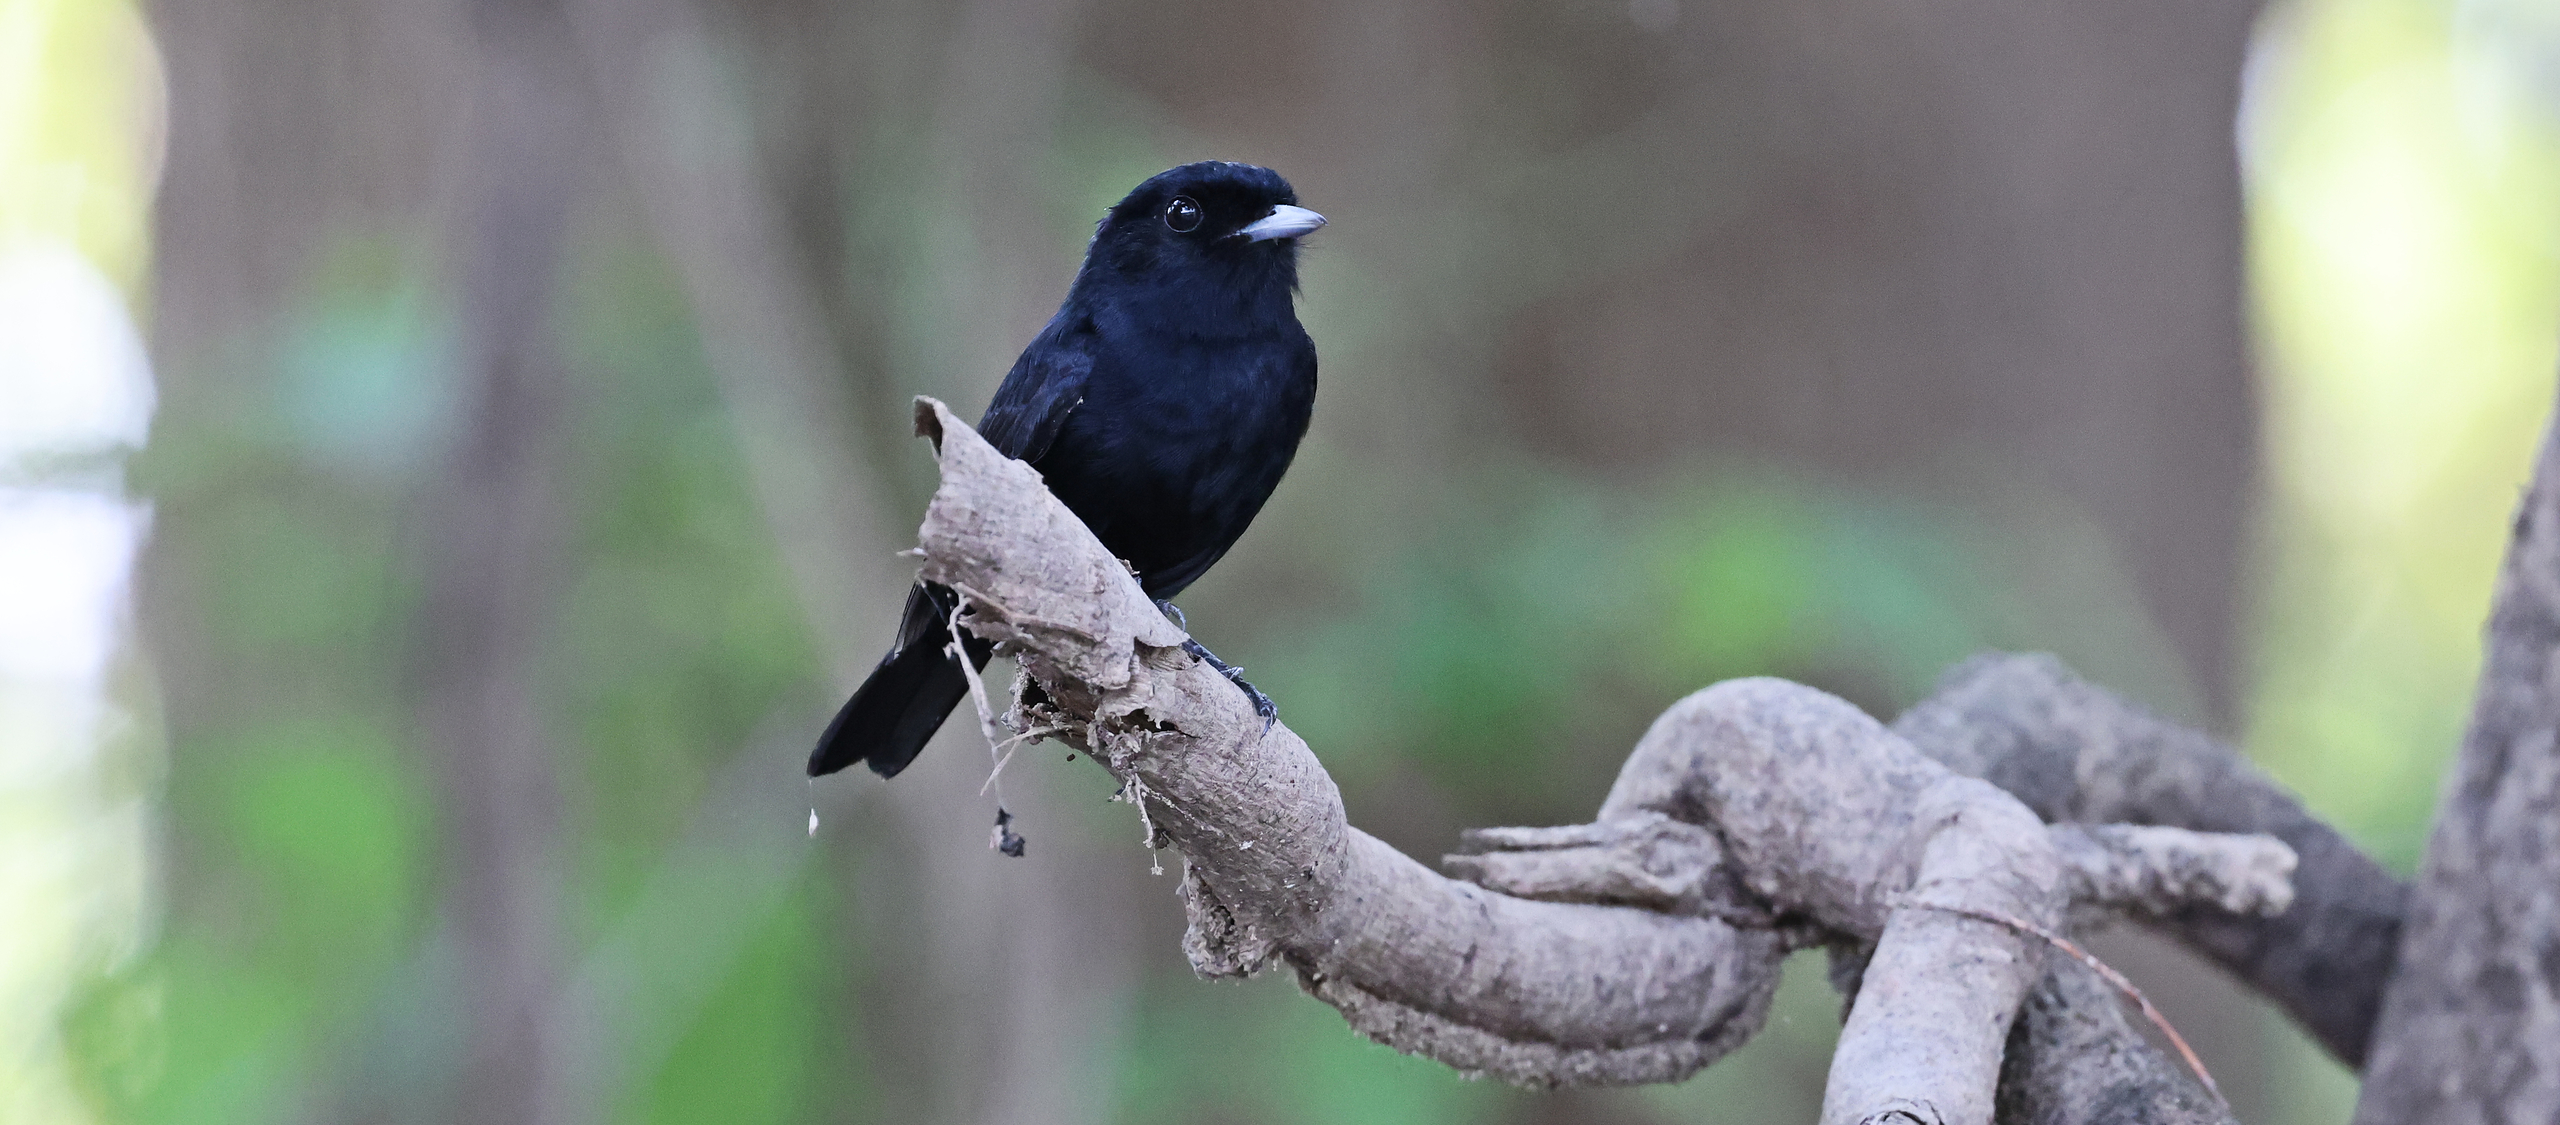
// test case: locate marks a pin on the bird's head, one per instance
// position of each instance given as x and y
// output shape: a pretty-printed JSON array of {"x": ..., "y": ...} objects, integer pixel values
[{"x": 1234, "y": 226}]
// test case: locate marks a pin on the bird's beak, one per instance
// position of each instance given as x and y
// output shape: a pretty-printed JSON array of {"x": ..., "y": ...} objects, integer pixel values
[{"x": 1284, "y": 221}]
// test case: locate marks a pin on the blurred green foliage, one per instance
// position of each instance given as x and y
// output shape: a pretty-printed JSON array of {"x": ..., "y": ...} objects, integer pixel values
[
  {"x": 1508, "y": 655},
  {"x": 1487, "y": 665},
  {"x": 2405, "y": 252},
  {"x": 79, "y": 121},
  {"x": 1506, "y": 660},
  {"x": 302, "y": 958}
]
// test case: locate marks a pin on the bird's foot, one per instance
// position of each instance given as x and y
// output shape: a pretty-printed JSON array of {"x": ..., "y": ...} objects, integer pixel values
[
  {"x": 1262, "y": 704},
  {"x": 1173, "y": 613}
]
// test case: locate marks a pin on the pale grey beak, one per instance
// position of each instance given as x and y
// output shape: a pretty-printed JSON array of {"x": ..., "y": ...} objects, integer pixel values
[{"x": 1284, "y": 221}]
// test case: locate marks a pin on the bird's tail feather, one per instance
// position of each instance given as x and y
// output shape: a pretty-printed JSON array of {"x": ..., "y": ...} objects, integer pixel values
[{"x": 897, "y": 710}]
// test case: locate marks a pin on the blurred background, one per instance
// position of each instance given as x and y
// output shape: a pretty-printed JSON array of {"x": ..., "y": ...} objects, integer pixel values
[{"x": 452, "y": 455}]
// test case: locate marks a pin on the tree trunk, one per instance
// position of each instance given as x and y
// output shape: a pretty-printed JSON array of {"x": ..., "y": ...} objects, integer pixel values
[
  {"x": 2470, "y": 1025},
  {"x": 496, "y": 537}
]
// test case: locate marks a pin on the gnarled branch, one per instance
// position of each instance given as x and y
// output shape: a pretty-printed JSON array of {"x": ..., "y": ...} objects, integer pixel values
[
  {"x": 1755, "y": 818},
  {"x": 2076, "y": 752}
]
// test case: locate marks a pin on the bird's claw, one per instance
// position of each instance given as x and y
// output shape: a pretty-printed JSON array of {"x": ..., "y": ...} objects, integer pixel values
[
  {"x": 1173, "y": 613},
  {"x": 1262, "y": 704}
]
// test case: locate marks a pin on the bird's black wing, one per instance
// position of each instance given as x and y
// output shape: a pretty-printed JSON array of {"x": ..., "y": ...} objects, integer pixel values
[
  {"x": 1033, "y": 402},
  {"x": 906, "y": 698}
]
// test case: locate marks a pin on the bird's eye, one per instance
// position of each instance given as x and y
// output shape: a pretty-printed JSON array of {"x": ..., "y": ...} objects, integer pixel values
[{"x": 1182, "y": 215}]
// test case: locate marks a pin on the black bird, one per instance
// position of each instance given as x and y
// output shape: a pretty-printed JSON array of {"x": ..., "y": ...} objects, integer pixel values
[{"x": 1162, "y": 404}]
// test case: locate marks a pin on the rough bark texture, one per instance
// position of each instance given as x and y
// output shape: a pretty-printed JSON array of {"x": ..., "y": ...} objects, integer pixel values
[
  {"x": 2075, "y": 1059},
  {"x": 2075, "y": 752},
  {"x": 2470, "y": 1026},
  {"x": 1755, "y": 817}
]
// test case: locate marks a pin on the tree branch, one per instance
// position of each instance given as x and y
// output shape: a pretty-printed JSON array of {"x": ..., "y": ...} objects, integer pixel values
[
  {"x": 2075, "y": 1059},
  {"x": 2076, "y": 752},
  {"x": 1755, "y": 818}
]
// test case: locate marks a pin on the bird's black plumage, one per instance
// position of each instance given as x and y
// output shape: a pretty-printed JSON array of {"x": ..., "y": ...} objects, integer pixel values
[{"x": 1162, "y": 404}]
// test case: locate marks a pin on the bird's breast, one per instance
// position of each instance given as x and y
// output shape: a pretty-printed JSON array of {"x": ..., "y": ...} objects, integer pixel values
[{"x": 1174, "y": 449}]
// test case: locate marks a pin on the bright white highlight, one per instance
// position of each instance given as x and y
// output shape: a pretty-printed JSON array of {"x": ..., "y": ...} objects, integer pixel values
[
  {"x": 72, "y": 373},
  {"x": 75, "y": 392}
]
